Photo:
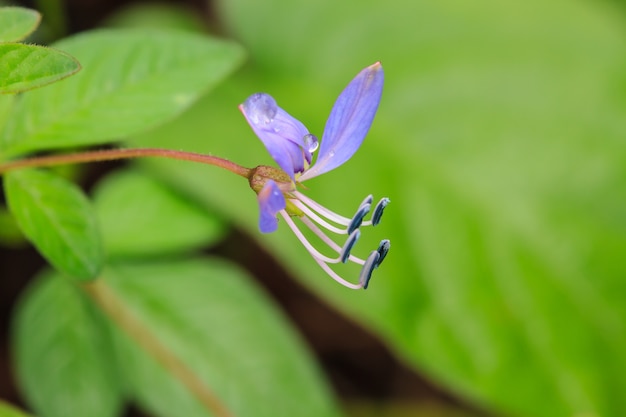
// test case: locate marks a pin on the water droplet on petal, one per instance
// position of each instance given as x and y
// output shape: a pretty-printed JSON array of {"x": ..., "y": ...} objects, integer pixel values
[
  {"x": 311, "y": 142},
  {"x": 260, "y": 108}
]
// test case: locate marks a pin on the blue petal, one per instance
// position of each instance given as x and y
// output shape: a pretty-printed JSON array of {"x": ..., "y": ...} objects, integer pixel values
[
  {"x": 282, "y": 134},
  {"x": 271, "y": 201},
  {"x": 349, "y": 120}
]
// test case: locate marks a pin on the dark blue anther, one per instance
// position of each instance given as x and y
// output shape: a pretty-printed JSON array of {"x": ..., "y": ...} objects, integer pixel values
[
  {"x": 367, "y": 200},
  {"x": 356, "y": 221},
  {"x": 360, "y": 214},
  {"x": 378, "y": 210},
  {"x": 347, "y": 247},
  {"x": 383, "y": 249},
  {"x": 368, "y": 268}
]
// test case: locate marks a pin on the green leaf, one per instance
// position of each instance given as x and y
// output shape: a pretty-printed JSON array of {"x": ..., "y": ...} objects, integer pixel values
[
  {"x": 132, "y": 81},
  {"x": 140, "y": 216},
  {"x": 499, "y": 140},
  {"x": 10, "y": 234},
  {"x": 6, "y": 107},
  {"x": 17, "y": 22},
  {"x": 157, "y": 15},
  {"x": 63, "y": 359},
  {"x": 55, "y": 12},
  {"x": 208, "y": 315},
  {"x": 7, "y": 410},
  {"x": 31, "y": 66},
  {"x": 58, "y": 219}
]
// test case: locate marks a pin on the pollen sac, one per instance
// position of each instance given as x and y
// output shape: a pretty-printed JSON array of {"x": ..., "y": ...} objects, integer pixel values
[
  {"x": 378, "y": 210},
  {"x": 360, "y": 214},
  {"x": 368, "y": 268},
  {"x": 260, "y": 108},
  {"x": 367, "y": 200},
  {"x": 383, "y": 249},
  {"x": 347, "y": 247}
]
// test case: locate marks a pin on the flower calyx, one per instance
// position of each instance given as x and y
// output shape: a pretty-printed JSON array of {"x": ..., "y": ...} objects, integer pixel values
[{"x": 260, "y": 175}]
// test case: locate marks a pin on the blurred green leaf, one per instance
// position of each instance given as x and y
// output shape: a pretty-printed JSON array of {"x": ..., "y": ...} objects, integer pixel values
[
  {"x": 55, "y": 24},
  {"x": 132, "y": 81},
  {"x": 6, "y": 103},
  {"x": 58, "y": 219},
  {"x": 10, "y": 233},
  {"x": 31, "y": 66},
  {"x": 63, "y": 360},
  {"x": 157, "y": 16},
  {"x": 499, "y": 140},
  {"x": 140, "y": 216},
  {"x": 211, "y": 317},
  {"x": 17, "y": 22},
  {"x": 8, "y": 410}
]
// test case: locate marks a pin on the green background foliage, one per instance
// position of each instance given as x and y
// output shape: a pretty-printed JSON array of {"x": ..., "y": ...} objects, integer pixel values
[
  {"x": 142, "y": 217},
  {"x": 64, "y": 360},
  {"x": 16, "y": 23},
  {"x": 25, "y": 67},
  {"x": 7, "y": 410},
  {"x": 241, "y": 345},
  {"x": 208, "y": 313},
  {"x": 499, "y": 140},
  {"x": 146, "y": 77},
  {"x": 57, "y": 217}
]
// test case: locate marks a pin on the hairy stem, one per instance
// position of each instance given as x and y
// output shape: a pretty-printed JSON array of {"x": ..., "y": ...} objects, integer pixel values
[
  {"x": 118, "y": 312},
  {"x": 115, "y": 154}
]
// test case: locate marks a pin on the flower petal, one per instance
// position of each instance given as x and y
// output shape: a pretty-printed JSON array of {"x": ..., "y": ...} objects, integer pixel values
[
  {"x": 349, "y": 120},
  {"x": 282, "y": 134},
  {"x": 271, "y": 201}
]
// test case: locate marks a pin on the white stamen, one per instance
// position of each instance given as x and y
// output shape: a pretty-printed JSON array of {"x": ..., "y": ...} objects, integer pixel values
[
  {"x": 318, "y": 257},
  {"x": 314, "y": 214},
  {"x": 328, "y": 240},
  {"x": 330, "y": 215},
  {"x": 336, "y": 277},
  {"x": 314, "y": 252},
  {"x": 310, "y": 213}
]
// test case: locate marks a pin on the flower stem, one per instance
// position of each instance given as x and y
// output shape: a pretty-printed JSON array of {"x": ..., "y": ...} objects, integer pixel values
[
  {"x": 115, "y": 154},
  {"x": 118, "y": 312}
]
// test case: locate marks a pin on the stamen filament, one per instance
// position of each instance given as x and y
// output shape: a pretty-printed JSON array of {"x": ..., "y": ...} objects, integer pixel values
[
  {"x": 336, "y": 277},
  {"x": 319, "y": 259},
  {"x": 329, "y": 214},
  {"x": 314, "y": 252},
  {"x": 310, "y": 213},
  {"x": 328, "y": 240}
]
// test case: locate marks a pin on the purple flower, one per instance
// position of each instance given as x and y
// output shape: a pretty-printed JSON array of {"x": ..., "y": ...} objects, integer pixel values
[{"x": 291, "y": 145}]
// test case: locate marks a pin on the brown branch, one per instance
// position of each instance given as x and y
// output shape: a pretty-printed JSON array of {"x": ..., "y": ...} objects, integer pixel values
[{"x": 115, "y": 154}]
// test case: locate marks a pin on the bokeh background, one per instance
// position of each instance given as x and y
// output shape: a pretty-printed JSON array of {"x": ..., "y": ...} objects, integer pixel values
[{"x": 500, "y": 140}]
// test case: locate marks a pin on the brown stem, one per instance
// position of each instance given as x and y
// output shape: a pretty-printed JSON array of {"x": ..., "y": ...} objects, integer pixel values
[
  {"x": 114, "y": 154},
  {"x": 117, "y": 311}
]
